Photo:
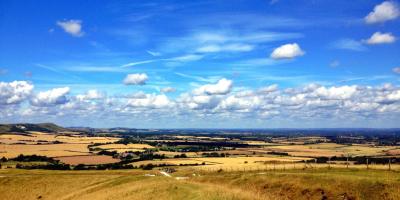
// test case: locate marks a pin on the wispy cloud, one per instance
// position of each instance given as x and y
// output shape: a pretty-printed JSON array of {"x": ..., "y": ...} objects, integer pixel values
[
  {"x": 184, "y": 58},
  {"x": 153, "y": 53},
  {"x": 198, "y": 78},
  {"x": 139, "y": 63},
  {"x": 55, "y": 70},
  {"x": 348, "y": 44},
  {"x": 95, "y": 69},
  {"x": 260, "y": 62}
]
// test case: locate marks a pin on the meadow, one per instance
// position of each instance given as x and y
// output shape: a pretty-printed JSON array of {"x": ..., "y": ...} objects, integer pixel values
[{"x": 138, "y": 184}]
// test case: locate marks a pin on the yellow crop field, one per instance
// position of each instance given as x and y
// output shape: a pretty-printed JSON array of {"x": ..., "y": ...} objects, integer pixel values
[
  {"x": 35, "y": 137},
  {"x": 331, "y": 149},
  {"x": 50, "y": 150},
  {"x": 262, "y": 143},
  {"x": 225, "y": 162},
  {"x": 123, "y": 146},
  {"x": 88, "y": 160},
  {"x": 180, "y": 161},
  {"x": 172, "y": 154}
]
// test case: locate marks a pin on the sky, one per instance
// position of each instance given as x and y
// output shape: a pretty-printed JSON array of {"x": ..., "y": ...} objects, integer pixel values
[{"x": 201, "y": 64}]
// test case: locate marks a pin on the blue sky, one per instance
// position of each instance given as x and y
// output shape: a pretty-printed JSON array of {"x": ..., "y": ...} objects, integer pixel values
[{"x": 227, "y": 64}]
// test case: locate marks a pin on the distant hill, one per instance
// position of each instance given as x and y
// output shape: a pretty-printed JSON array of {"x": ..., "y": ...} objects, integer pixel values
[{"x": 23, "y": 127}]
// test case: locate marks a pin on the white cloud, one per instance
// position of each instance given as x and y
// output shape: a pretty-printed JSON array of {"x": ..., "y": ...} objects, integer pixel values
[
  {"x": 270, "y": 88},
  {"x": 185, "y": 58},
  {"x": 14, "y": 92},
  {"x": 223, "y": 86},
  {"x": 381, "y": 38},
  {"x": 168, "y": 89},
  {"x": 51, "y": 97},
  {"x": 396, "y": 70},
  {"x": 215, "y": 102},
  {"x": 225, "y": 48},
  {"x": 72, "y": 27},
  {"x": 287, "y": 51},
  {"x": 387, "y": 10},
  {"x": 138, "y": 63},
  {"x": 150, "y": 101},
  {"x": 90, "y": 95},
  {"x": 135, "y": 79},
  {"x": 343, "y": 92}
]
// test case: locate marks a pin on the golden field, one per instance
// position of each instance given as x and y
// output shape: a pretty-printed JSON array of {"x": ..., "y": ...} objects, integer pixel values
[
  {"x": 133, "y": 184},
  {"x": 49, "y": 150},
  {"x": 39, "y": 137},
  {"x": 127, "y": 146},
  {"x": 331, "y": 149},
  {"x": 87, "y": 160}
]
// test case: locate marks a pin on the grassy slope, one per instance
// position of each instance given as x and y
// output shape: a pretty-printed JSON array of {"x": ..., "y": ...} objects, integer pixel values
[
  {"x": 45, "y": 127},
  {"x": 131, "y": 184}
]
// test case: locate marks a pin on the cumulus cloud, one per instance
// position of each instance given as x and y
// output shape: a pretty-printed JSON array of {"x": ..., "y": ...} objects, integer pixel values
[
  {"x": 14, "y": 92},
  {"x": 381, "y": 38},
  {"x": 223, "y": 86},
  {"x": 51, "y": 97},
  {"x": 218, "y": 101},
  {"x": 135, "y": 79},
  {"x": 287, "y": 51},
  {"x": 168, "y": 89},
  {"x": 72, "y": 27},
  {"x": 150, "y": 101},
  {"x": 387, "y": 10},
  {"x": 90, "y": 95},
  {"x": 343, "y": 92},
  {"x": 396, "y": 70}
]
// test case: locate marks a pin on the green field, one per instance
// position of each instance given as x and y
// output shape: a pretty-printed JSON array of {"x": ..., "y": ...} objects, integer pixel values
[{"x": 133, "y": 184}]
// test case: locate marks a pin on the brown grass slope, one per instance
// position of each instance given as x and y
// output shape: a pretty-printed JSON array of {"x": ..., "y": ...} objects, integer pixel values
[{"x": 132, "y": 184}]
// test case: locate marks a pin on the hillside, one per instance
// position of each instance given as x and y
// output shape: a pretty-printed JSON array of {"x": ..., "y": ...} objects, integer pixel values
[
  {"x": 134, "y": 184},
  {"x": 23, "y": 127}
]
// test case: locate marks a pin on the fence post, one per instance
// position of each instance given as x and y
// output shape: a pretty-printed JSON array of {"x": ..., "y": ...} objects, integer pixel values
[
  {"x": 347, "y": 162},
  {"x": 329, "y": 162},
  {"x": 367, "y": 164},
  {"x": 390, "y": 160}
]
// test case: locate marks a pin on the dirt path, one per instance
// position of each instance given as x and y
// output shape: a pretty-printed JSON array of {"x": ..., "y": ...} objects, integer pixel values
[{"x": 165, "y": 174}]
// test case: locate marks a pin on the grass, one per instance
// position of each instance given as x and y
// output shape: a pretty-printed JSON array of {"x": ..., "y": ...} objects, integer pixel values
[{"x": 132, "y": 184}]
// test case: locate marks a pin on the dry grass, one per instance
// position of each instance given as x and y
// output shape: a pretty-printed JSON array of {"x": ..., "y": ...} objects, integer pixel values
[
  {"x": 132, "y": 184},
  {"x": 88, "y": 160},
  {"x": 224, "y": 162}
]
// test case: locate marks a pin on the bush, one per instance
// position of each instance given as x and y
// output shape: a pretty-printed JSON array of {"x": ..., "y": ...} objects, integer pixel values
[{"x": 148, "y": 167}]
